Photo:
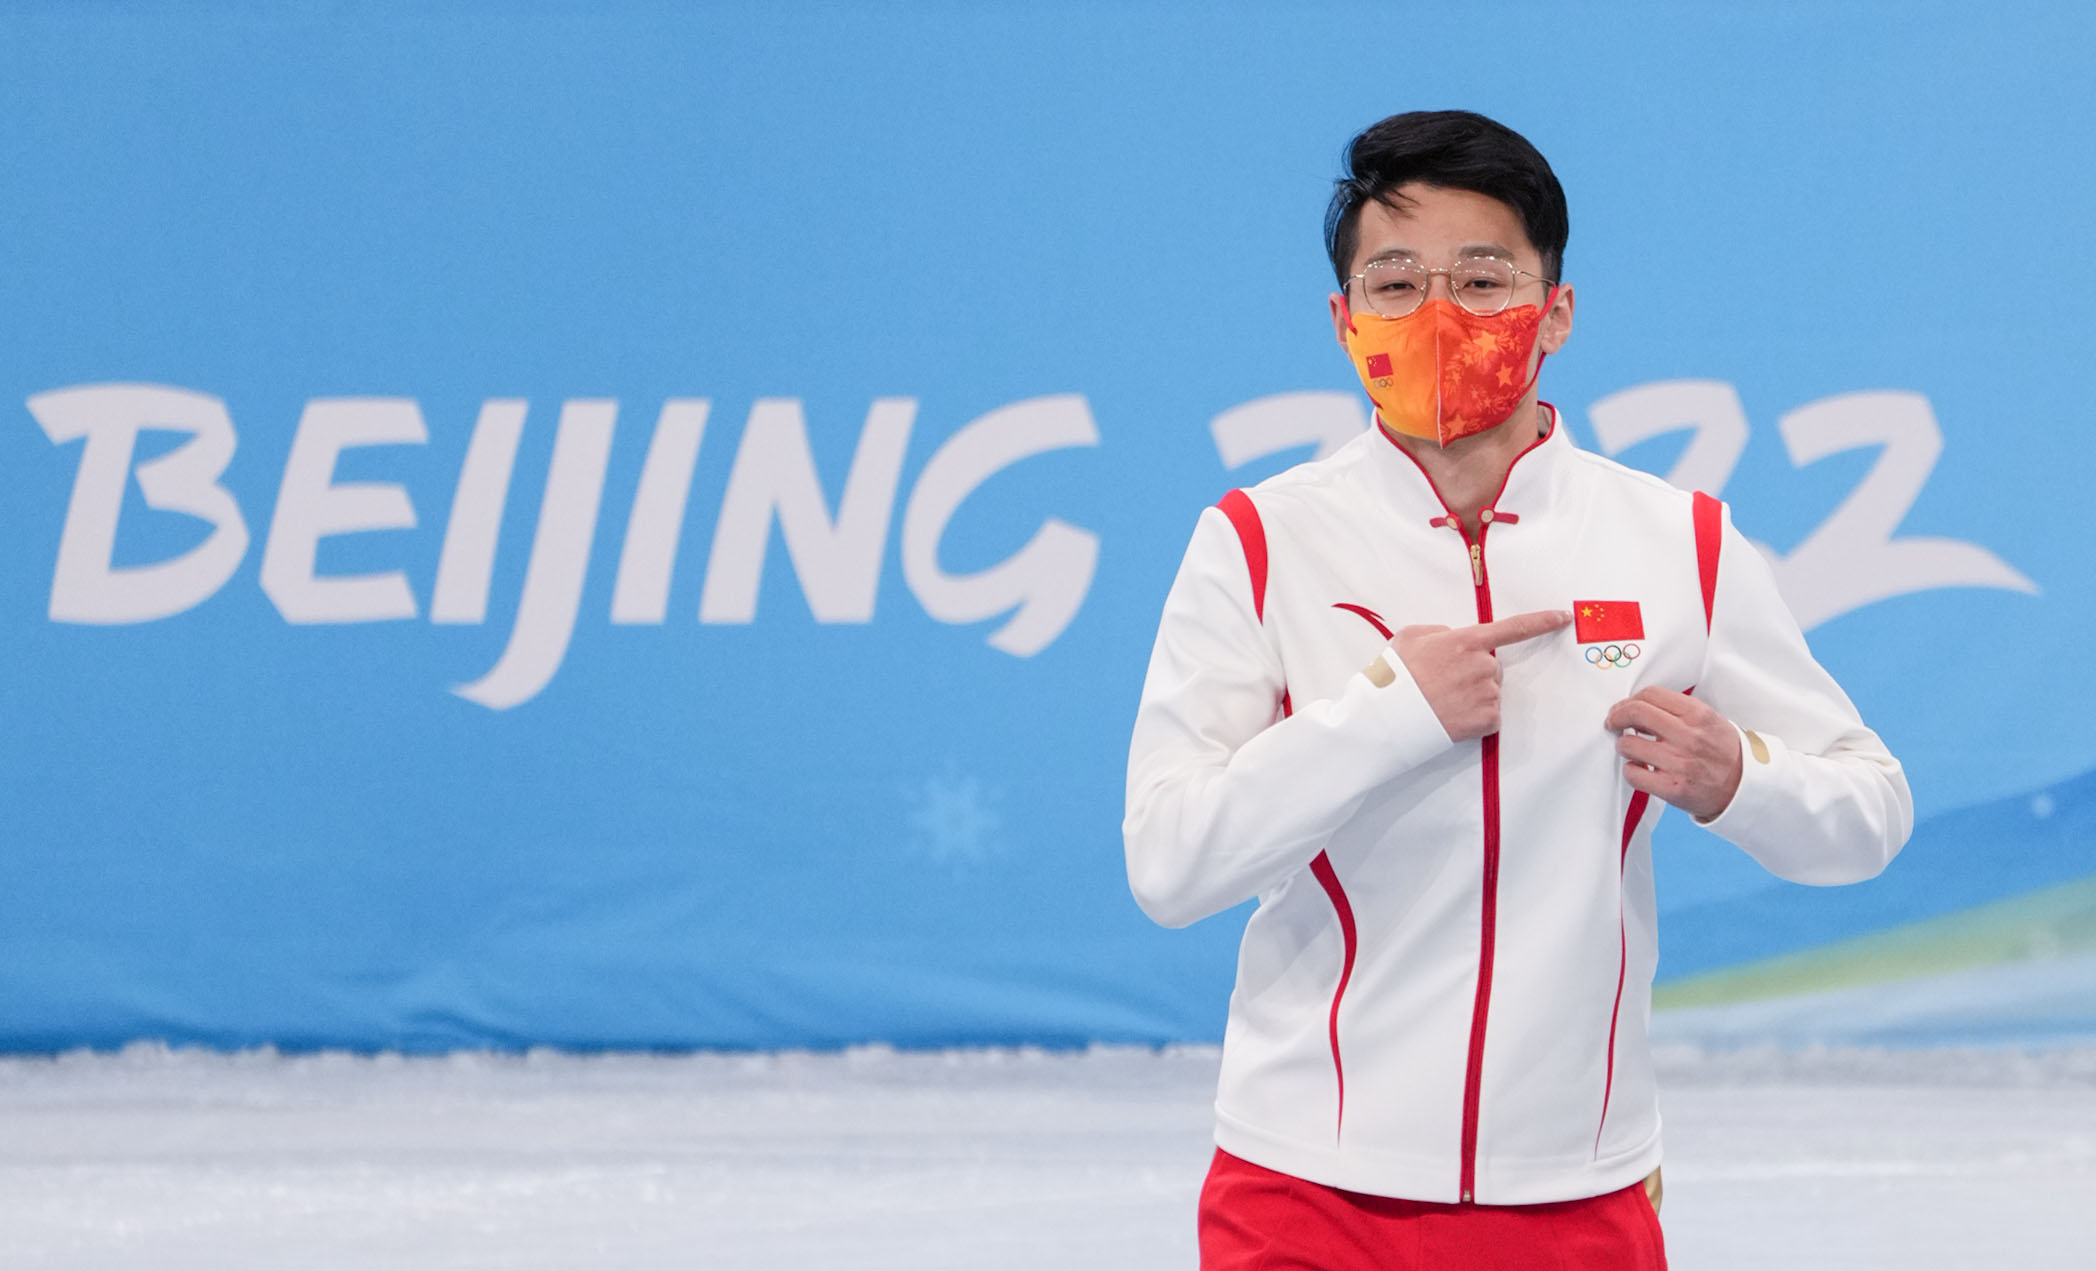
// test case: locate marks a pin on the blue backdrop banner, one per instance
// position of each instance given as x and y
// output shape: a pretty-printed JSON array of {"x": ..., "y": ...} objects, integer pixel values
[{"x": 642, "y": 524}]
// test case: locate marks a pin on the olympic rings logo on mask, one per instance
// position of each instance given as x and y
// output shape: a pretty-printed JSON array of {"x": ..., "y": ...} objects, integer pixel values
[{"x": 1611, "y": 656}]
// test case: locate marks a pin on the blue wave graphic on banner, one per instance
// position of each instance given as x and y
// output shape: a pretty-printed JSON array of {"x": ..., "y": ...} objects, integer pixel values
[{"x": 1956, "y": 861}]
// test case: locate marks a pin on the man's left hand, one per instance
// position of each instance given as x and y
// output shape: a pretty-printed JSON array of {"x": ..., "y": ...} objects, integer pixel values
[{"x": 1688, "y": 753}]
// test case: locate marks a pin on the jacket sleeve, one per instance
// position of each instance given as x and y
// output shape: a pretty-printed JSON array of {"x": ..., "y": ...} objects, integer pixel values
[
  {"x": 1226, "y": 797},
  {"x": 1820, "y": 799}
]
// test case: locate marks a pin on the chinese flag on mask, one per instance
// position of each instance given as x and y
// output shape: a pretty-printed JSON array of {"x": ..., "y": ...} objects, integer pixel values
[{"x": 1595, "y": 620}]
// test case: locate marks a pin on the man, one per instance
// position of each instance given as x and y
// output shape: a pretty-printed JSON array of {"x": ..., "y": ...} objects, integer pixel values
[{"x": 1416, "y": 698}]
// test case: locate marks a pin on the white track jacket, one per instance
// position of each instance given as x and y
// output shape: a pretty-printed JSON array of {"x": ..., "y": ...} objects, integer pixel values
[{"x": 1445, "y": 989}]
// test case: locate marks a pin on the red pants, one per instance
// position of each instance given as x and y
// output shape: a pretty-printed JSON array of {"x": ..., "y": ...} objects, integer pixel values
[{"x": 1255, "y": 1219}]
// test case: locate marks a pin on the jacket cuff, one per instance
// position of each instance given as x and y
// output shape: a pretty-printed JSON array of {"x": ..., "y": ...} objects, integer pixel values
[
  {"x": 1762, "y": 764},
  {"x": 1412, "y": 733}
]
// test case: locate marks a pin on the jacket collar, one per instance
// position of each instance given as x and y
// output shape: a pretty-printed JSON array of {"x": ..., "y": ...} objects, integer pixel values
[{"x": 1531, "y": 482}]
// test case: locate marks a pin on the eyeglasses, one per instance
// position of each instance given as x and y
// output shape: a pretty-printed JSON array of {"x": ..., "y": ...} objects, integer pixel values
[{"x": 1484, "y": 285}]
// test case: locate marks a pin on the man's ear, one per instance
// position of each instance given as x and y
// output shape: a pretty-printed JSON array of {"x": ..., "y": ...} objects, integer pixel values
[
  {"x": 1557, "y": 321},
  {"x": 1342, "y": 318}
]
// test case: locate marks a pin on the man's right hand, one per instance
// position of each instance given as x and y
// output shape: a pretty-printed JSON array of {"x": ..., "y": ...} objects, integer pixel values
[{"x": 1456, "y": 669}]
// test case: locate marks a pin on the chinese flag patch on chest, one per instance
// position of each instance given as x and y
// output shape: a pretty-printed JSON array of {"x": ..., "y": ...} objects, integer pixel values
[{"x": 1595, "y": 620}]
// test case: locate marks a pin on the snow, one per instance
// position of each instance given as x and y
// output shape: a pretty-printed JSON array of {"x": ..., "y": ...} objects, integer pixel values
[{"x": 1824, "y": 1158}]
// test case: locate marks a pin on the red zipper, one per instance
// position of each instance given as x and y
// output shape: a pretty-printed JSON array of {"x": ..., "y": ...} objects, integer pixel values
[
  {"x": 1488, "y": 917},
  {"x": 1488, "y": 762}
]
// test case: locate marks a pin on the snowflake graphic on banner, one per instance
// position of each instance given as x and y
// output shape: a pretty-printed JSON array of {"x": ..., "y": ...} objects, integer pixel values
[{"x": 953, "y": 819}]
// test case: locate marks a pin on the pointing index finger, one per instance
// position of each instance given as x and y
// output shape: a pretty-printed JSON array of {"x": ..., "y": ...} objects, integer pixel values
[{"x": 1522, "y": 626}]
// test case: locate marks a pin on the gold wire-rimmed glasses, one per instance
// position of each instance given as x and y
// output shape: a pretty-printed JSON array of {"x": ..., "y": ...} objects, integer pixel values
[{"x": 1484, "y": 285}]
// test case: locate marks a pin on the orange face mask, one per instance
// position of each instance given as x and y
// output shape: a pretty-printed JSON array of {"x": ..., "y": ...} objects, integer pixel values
[{"x": 1442, "y": 372}]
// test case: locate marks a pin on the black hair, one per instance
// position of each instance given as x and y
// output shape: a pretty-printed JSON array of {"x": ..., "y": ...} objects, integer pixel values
[{"x": 1457, "y": 150}]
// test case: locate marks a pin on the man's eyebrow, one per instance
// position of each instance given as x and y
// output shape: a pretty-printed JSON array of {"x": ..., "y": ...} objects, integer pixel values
[{"x": 1468, "y": 251}]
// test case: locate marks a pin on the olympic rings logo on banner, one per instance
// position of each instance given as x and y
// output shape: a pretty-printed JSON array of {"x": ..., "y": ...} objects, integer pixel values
[{"x": 1610, "y": 656}]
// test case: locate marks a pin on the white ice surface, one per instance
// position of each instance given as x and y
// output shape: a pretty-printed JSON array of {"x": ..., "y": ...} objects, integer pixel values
[{"x": 873, "y": 1159}]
